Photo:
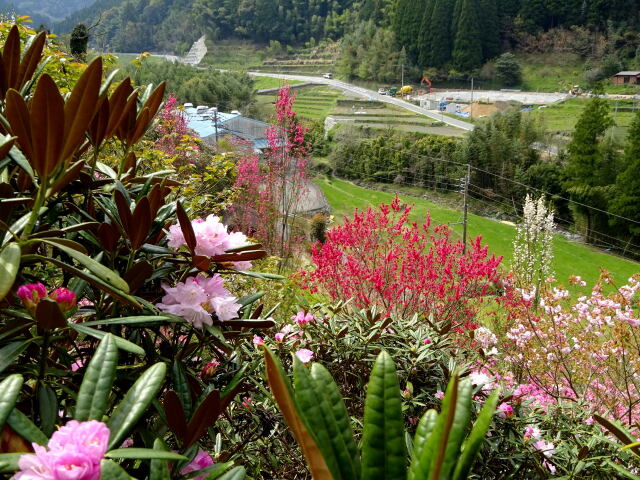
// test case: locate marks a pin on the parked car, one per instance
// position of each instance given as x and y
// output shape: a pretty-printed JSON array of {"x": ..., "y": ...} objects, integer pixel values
[
  {"x": 382, "y": 91},
  {"x": 328, "y": 75}
]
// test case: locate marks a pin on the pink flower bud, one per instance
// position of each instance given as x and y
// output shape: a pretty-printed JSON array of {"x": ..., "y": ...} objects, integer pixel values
[
  {"x": 257, "y": 340},
  {"x": 426, "y": 341},
  {"x": 31, "y": 294},
  {"x": 439, "y": 395},
  {"x": 65, "y": 298},
  {"x": 209, "y": 370}
]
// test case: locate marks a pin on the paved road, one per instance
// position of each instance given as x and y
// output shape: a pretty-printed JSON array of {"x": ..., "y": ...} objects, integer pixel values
[{"x": 370, "y": 94}]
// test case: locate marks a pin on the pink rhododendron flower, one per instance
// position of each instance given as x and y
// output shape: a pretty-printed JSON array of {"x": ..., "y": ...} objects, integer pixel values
[
  {"x": 302, "y": 318},
  {"x": 304, "y": 355},
  {"x": 279, "y": 336},
  {"x": 547, "y": 449},
  {"x": 426, "y": 341},
  {"x": 74, "y": 453},
  {"x": 246, "y": 402},
  {"x": 439, "y": 395},
  {"x": 532, "y": 432},
  {"x": 200, "y": 461},
  {"x": 31, "y": 294},
  {"x": 65, "y": 298},
  {"x": 505, "y": 410},
  {"x": 212, "y": 238},
  {"x": 197, "y": 298},
  {"x": 257, "y": 340}
]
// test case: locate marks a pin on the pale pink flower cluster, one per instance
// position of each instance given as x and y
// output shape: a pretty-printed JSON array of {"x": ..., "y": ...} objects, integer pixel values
[
  {"x": 73, "y": 453},
  {"x": 532, "y": 432},
  {"x": 32, "y": 293},
  {"x": 212, "y": 238},
  {"x": 582, "y": 349},
  {"x": 548, "y": 450},
  {"x": 200, "y": 461},
  {"x": 197, "y": 298},
  {"x": 505, "y": 410}
]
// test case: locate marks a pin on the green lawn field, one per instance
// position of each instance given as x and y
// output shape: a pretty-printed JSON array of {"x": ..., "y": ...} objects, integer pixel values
[{"x": 570, "y": 258}]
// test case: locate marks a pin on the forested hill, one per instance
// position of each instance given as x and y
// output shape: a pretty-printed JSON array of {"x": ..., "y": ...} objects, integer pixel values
[
  {"x": 44, "y": 11},
  {"x": 434, "y": 33}
]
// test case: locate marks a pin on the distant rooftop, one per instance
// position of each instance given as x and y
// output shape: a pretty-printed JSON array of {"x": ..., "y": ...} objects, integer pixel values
[
  {"x": 627, "y": 74},
  {"x": 201, "y": 119}
]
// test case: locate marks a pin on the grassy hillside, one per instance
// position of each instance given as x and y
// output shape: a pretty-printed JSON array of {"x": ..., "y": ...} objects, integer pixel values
[{"x": 570, "y": 258}]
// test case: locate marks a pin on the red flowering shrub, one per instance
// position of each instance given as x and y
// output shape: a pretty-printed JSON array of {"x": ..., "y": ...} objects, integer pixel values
[{"x": 379, "y": 258}]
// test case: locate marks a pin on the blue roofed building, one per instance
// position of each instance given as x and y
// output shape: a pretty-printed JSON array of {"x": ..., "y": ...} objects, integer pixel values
[{"x": 204, "y": 120}]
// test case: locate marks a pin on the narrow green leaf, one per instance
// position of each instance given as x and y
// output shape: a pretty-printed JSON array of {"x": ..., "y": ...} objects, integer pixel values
[
  {"x": 421, "y": 458},
  {"x": 17, "y": 156},
  {"x": 440, "y": 436},
  {"x": 159, "y": 469},
  {"x": 111, "y": 470},
  {"x": 268, "y": 276},
  {"x": 93, "y": 397},
  {"x": 144, "y": 453},
  {"x": 476, "y": 437},
  {"x": 622, "y": 471},
  {"x": 48, "y": 407},
  {"x": 9, "y": 266},
  {"x": 212, "y": 472},
  {"x": 182, "y": 388},
  {"x": 237, "y": 473},
  {"x": 18, "y": 225},
  {"x": 142, "y": 319},
  {"x": 94, "y": 266},
  {"x": 458, "y": 429},
  {"x": 321, "y": 406},
  {"x": 9, "y": 462},
  {"x": 135, "y": 402},
  {"x": 383, "y": 446},
  {"x": 122, "y": 344},
  {"x": 9, "y": 391},
  {"x": 24, "y": 427},
  {"x": 11, "y": 351},
  {"x": 249, "y": 299}
]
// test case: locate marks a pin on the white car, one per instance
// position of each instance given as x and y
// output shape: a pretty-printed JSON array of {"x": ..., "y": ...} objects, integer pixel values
[
  {"x": 328, "y": 75},
  {"x": 382, "y": 91}
]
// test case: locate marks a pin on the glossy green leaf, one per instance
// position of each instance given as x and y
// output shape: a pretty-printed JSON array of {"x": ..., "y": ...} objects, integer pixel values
[
  {"x": 473, "y": 443},
  {"x": 144, "y": 453},
  {"x": 285, "y": 399},
  {"x": 9, "y": 391},
  {"x": 11, "y": 351},
  {"x": 121, "y": 343},
  {"x": 93, "y": 397},
  {"x": 9, "y": 462},
  {"x": 138, "y": 320},
  {"x": 9, "y": 266},
  {"x": 48, "y": 408},
  {"x": 458, "y": 429},
  {"x": 321, "y": 407},
  {"x": 135, "y": 402},
  {"x": 159, "y": 469},
  {"x": 383, "y": 446},
  {"x": 237, "y": 473},
  {"x": 95, "y": 267},
  {"x": 268, "y": 276},
  {"x": 421, "y": 458},
  {"x": 18, "y": 225},
  {"x": 440, "y": 435},
  {"x": 24, "y": 427},
  {"x": 623, "y": 472},
  {"x": 182, "y": 388},
  {"x": 212, "y": 472},
  {"x": 111, "y": 470}
]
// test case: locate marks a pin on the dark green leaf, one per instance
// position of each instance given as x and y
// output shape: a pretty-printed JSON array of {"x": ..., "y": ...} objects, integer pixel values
[
  {"x": 12, "y": 351},
  {"x": 421, "y": 458},
  {"x": 112, "y": 471},
  {"x": 135, "y": 402},
  {"x": 237, "y": 473},
  {"x": 9, "y": 462},
  {"x": 122, "y": 344},
  {"x": 93, "y": 397},
  {"x": 383, "y": 446},
  {"x": 48, "y": 407},
  {"x": 24, "y": 427},
  {"x": 142, "y": 319}
]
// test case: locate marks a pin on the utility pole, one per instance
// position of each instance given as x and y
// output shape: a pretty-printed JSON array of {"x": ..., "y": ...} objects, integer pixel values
[
  {"x": 465, "y": 192},
  {"x": 472, "y": 94},
  {"x": 215, "y": 123}
]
